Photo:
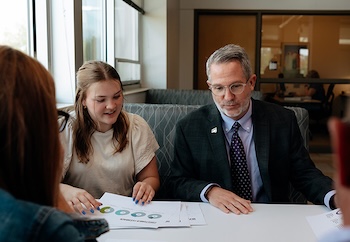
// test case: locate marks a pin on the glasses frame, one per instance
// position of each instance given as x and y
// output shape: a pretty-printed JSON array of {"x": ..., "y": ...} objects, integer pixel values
[
  {"x": 63, "y": 124},
  {"x": 229, "y": 88}
]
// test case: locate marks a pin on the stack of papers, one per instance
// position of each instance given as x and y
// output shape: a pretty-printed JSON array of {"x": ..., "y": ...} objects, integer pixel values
[{"x": 122, "y": 212}]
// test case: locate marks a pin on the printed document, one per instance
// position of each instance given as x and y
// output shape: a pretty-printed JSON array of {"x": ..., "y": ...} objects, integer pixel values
[
  {"x": 122, "y": 212},
  {"x": 324, "y": 223}
]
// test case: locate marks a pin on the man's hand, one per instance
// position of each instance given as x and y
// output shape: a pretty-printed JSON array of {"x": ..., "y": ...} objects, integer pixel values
[
  {"x": 79, "y": 200},
  {"x": 227, "y": 201}
]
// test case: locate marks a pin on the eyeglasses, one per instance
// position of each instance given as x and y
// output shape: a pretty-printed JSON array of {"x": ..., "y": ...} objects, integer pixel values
[
  {"x": 62, "y": 123},
  {"x": 235, "y": 88}
]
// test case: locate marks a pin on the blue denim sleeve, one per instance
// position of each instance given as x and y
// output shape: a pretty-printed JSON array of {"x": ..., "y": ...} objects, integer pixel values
[
  {"x": 53, "y": 225},
  {"x": 91, "y": 228},
  {"x": 26, "y": 221},
  {"x": 63, "y": 227}
]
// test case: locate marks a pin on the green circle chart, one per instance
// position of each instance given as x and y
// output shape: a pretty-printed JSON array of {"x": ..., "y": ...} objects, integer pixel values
[
  {"x": 122, "y": 212},
  {"x": 154, "y": 216},
  {"x": 107, "y": 210},
  {"x": 138, "y": 214}
]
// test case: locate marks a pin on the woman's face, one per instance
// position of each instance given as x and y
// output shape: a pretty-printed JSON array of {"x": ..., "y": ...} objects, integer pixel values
[{"x": 104, "y": 102}]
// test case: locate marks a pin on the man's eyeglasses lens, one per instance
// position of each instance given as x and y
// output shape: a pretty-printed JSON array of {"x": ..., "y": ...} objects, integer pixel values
[
  {"x": 62, "y": 120},
  {"x": 235, "y": 88}
]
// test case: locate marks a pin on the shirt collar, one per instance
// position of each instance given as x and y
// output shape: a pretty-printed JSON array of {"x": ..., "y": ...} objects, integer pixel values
[{"x": 245, "y": 121}]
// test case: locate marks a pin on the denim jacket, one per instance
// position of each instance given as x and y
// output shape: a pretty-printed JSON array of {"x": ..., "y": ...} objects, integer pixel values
[{"x": 26, "y": 221}]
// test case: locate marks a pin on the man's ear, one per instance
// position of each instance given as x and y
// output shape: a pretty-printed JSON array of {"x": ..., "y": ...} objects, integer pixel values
[
  {"x": 208, "y": 83},
  {"x": 252, "y": 81}
]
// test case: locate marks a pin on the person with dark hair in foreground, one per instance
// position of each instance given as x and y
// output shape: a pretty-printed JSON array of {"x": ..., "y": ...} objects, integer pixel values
[{"x": 32, "y": 157}]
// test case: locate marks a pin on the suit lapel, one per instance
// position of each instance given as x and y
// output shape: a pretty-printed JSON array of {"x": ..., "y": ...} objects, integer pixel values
[
  {"x": 262, "y": 144},
  {"x": 217, "y": 141}
]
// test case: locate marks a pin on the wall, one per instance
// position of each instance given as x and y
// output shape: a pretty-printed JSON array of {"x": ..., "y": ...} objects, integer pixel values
[
  {"x": 187, "y": 15},
  {"x": 168, "y": 38},
  {"x": 173, "y": 28},
  {"x": 153, "y": 52}
]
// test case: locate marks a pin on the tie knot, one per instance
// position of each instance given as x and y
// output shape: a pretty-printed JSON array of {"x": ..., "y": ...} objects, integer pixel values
[{"x": 236, "y": 126}]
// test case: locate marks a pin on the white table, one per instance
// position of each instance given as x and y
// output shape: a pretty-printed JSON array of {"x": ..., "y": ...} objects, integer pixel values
[{"x": 269, "y": 222}]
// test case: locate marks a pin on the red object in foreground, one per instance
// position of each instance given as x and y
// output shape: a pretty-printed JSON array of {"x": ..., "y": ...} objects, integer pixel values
[{"x": 341, "y": 148}]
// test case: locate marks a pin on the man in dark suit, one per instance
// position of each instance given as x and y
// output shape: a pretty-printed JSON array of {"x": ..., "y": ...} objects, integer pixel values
[{"x": 273, "y": 145}]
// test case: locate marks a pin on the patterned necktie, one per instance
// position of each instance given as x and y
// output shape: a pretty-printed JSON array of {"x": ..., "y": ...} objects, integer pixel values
[{"x": 239, "y": 168}]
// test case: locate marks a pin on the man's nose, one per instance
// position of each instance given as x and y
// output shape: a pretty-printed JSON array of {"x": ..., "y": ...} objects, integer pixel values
[{"x": 228, "y": 94}]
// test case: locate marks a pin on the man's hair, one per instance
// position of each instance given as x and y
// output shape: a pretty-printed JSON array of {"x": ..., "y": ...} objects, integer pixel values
[
  {"x": 230, "y": 53},
  {"x": 30, "y": 149}
]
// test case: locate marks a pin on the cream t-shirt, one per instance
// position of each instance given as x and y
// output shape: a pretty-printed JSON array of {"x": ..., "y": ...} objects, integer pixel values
[{"x": 108, "y": 172}]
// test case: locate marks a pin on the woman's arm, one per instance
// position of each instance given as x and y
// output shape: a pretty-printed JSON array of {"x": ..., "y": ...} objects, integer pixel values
[{"x": 147, "y": 183}]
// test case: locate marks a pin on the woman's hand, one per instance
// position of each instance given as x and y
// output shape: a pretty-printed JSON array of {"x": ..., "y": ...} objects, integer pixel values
[
  {"x": 142, "y": 193},
  {"x": 79, "y": 200},
  {"x": 148, "y": 183}
]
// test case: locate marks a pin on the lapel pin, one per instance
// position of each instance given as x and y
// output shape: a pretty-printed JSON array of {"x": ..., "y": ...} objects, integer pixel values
[{"x": 214, "y": 130}]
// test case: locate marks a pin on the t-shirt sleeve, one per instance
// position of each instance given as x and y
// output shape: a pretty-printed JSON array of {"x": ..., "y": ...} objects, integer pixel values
[
  {"x": 66, "y": 137},
  {"x": 143, "y": 142}
]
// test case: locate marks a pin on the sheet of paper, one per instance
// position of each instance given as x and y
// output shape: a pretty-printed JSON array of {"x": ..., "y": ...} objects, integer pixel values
[
  {"x": 122, "y": 212},
  {"x": 132, "y": 240},
  {"x": 180, "y": 220},
  {"x": 324, "y": 223},
  {"x": 194, "y": 214}
]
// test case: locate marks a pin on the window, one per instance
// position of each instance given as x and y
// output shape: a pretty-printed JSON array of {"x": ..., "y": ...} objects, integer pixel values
[
  {"x": 111, "y": 34},
  {"x": 301, "y": 42},
  {"x": 126, "y": 42},
  {"x": 94, "y": 30},
  {"x": 15, "y": 25}
]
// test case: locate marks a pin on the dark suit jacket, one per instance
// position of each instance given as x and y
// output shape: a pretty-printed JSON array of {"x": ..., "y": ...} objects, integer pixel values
[{"x": 200, "y": 155}]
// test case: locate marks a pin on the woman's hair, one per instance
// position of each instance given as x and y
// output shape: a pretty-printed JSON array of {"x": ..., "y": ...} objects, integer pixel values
[
  {"x": 30, "y": 149},
  {"x": 227, "y": 54},
  {"x": 89, "y": 73}
]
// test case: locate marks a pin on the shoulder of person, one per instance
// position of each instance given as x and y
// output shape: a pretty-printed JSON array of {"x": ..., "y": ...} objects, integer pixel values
[
  {"x": 19, "y": 211},
  {"x": 203, "y": 111},
  {"x": 134, "y": 118},
  {"x": 270, "y": 109},
  {"x": 267, "y": 106},
  {"x": 16, "y": 206},
  {"x": 72, "y": 118},
  {"x": 137, "y": 122}
]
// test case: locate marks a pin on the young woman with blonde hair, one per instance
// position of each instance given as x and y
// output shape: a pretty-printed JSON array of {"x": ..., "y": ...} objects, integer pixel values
[{"x": 106, "y": 148}]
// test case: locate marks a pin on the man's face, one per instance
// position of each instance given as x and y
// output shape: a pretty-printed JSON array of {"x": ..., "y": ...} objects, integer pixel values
[{"x": 223, "y": 75}]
